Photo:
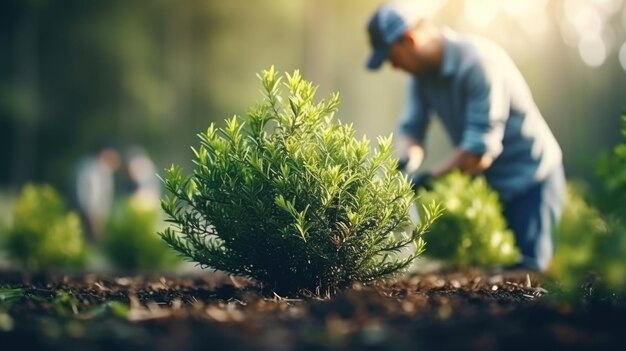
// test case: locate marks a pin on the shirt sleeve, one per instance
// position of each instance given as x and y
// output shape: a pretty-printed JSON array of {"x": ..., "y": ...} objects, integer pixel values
[
  {"x": 414, "y": 119},
  {"x": 488, "y": 105}
]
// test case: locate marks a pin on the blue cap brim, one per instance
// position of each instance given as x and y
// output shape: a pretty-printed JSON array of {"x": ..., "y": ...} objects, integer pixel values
[{"x": 378, "y": 57}]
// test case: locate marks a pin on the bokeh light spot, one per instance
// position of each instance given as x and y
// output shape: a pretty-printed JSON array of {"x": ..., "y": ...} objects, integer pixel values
[
  {"x": 585, "y": 19},
  {"x": 622, "y": 56},
  {"x": 592, "y": 50}
]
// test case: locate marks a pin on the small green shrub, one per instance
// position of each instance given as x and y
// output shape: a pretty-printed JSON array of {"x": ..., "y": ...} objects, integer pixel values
[
  {"x": 591, "y": 241},
  {"x": 611, "y": 248},
  {"x": 43, "y": 234},
  {"x": 611, "y": 169},
  {"x": 290, "y": 198},
  {"x": 590, "y": 249},
  {"x": 611, "y": 254},
  {"x": 132, "y": 242},
  {"x": 580, "y": 227},
  {"x": 472, "y": 230}
]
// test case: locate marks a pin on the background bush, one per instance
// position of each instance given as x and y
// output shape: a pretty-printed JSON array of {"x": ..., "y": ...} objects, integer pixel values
[
  {"x": 472, "y": 230},
  {"x": 577, "y": 236},
  {"x": 42, "y": 232},
  {"x": 132, "y": 242},
  {"x": 290, "y": 198},
  {"x": 591, "y": 241},
  {"x": 610, "y": 247},
  {"x": 611, "y": 169}
]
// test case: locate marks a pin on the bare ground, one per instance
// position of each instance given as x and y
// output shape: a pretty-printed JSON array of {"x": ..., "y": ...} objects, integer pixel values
[{"x": 469, "y": 310}]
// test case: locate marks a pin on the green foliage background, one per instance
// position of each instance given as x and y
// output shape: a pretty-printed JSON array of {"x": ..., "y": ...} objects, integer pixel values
[
  {"x": 131, "y": 242},
  {"x": 611, "y": 169},
  {"x": 43, "y": 233},
  {"x": 290, "y": 198},
  {"x": 592, "y": 235},
  {"x": 472, "y": 230},
  {"x": 580, "y": 229},
  {"x": 154, "y": 72}
]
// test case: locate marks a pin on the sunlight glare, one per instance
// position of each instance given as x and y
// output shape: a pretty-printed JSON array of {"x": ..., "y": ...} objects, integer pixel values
[
  {"x": 431, "y": 8},
  {"x": 523, "y": 8},
  {"x": 568, "y": 33},
  {"x": 592, "y": 50},
  {"x": 608, "y": 7},
  {"x": 531, "y": 15},
  {"x": 536, "y": 24},
  {"x": 481, "y": 12}
]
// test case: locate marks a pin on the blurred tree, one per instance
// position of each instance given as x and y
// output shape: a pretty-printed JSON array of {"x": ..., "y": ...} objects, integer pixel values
[
  {"x": 154, "y": 72},
  {"x": 151, "y": 72}
]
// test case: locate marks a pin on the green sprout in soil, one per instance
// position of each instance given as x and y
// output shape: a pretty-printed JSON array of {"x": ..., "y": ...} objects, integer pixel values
[{"x": 290, "y": 198}]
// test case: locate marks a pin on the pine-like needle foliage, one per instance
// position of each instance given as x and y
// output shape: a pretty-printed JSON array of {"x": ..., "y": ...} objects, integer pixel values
[{"x": 291, "y": 199}]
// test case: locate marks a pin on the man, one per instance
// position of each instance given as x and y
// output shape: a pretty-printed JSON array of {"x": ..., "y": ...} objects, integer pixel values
[{"x": 487, "y": 109}]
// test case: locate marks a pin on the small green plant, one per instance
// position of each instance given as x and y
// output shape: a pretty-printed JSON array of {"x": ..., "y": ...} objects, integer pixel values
[
  {"x": 611, "y": 248},
  {"x": 610, "y": 251},
  {"x": 590, "y": 249},
  {"x": 132, "y": 242},
  {"x": 43, "y": 233},
  {"x": 580, "y": 227},
  {"x": 591, "y": 241},
  {"x": 611, "y": 169},
  {"x": 472, "y": 231},
  {"x": 290, "y": 198}
]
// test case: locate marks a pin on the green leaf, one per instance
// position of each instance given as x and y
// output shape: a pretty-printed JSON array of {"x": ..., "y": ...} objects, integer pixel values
[{"x": 10, "y": 295}]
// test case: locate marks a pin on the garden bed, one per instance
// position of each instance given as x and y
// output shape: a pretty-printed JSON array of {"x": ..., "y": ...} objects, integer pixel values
[{"x": 470, "y": 310}]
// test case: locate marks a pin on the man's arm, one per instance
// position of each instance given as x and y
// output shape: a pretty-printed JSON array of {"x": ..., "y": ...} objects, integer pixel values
[
  {"x": 413, "y": 153},
  {"x": 463, "y": 160}
]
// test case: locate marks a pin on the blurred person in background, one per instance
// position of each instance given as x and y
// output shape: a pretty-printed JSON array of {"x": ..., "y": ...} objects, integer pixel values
[
  {"x": 487, "y": 109},
  {"x": 94, "y": 187},
  {"x": 141, "y": 180}
]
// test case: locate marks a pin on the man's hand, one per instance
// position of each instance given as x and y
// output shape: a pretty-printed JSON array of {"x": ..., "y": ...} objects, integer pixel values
[
  {"x": 421, "y": 180},
  {"x": 411, "y": 154},
  {"x": 402, "y": 163}
]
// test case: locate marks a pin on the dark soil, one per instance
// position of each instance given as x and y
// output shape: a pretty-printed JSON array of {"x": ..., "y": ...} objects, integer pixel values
[{"x": 473, "y": 310}]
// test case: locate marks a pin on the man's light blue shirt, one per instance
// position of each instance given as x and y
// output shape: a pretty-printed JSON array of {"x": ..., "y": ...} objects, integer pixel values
[{"x": 486, "y": 107}]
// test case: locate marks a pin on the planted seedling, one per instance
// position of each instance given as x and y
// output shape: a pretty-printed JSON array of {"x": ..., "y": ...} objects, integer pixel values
[{"x": 289, "y": 197}]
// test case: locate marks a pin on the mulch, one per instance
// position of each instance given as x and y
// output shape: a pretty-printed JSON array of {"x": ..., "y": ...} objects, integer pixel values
[{"x": 463, "y": 310}]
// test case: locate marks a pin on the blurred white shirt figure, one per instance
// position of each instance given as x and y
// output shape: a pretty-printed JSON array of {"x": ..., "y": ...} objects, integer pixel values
[
  {"x": 144, "y": 185},
  {"x": 95, "y": 187}
]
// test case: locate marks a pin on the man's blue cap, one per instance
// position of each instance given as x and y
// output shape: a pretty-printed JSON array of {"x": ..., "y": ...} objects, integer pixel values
[{"x": 387, "y": 25}]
